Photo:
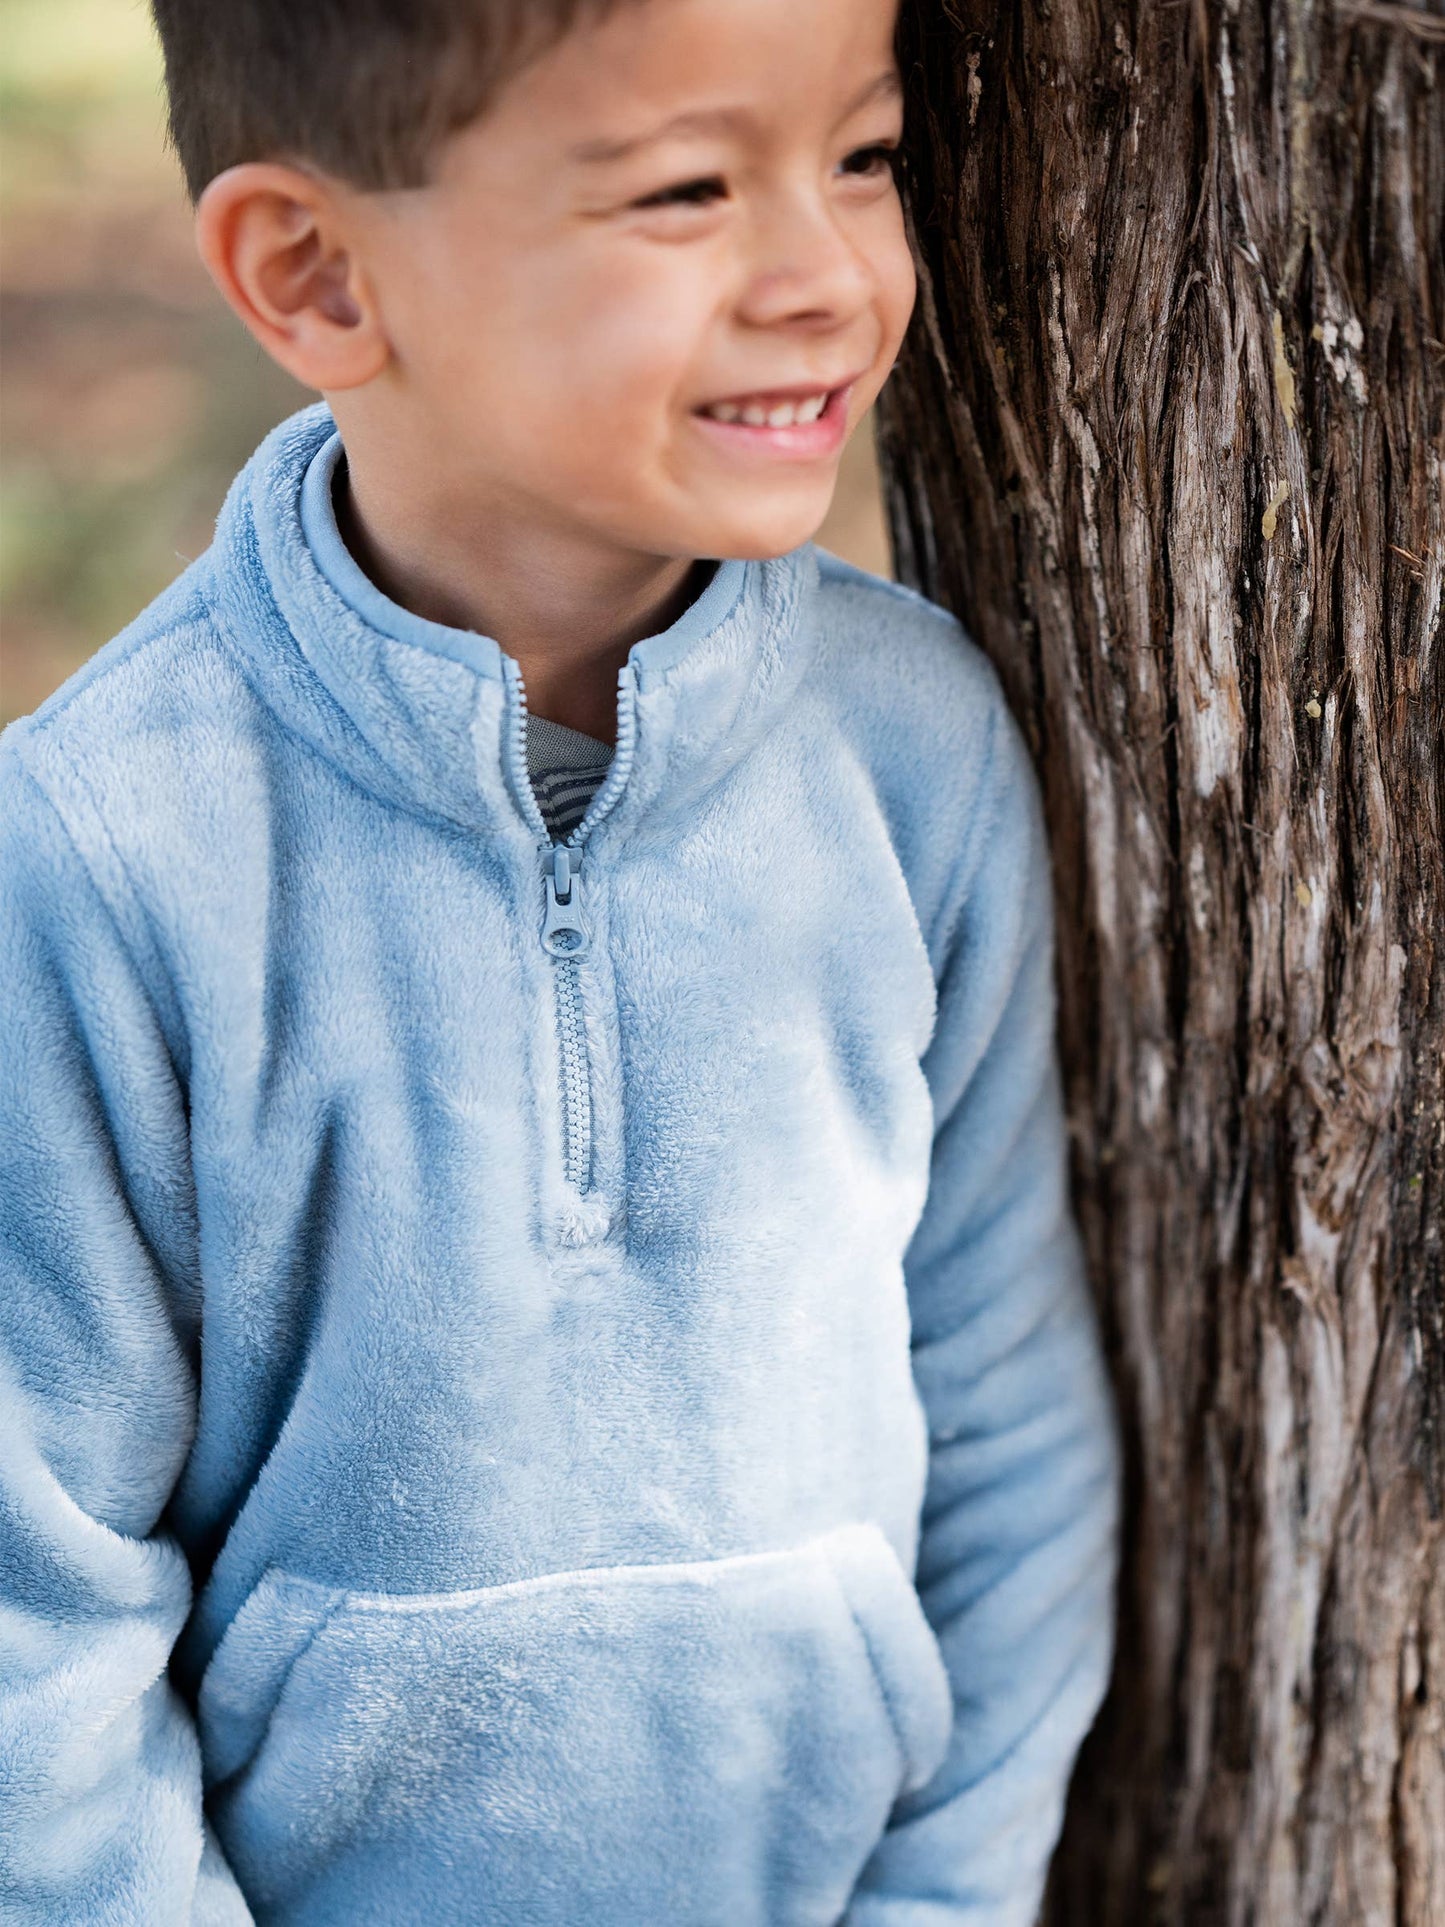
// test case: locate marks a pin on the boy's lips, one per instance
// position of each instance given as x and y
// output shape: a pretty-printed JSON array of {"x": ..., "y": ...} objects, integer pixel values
[{"x": 797, "y": 439}]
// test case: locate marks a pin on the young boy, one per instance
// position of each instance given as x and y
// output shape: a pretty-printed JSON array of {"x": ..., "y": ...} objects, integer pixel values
[{"x": 546, "y": 1371}]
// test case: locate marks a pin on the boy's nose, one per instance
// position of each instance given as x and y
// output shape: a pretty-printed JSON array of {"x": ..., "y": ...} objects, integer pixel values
[{"x": 805, "y": 268}]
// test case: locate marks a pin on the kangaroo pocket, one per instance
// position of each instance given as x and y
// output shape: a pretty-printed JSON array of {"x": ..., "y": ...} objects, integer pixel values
[{"x": 715, "y": 1744}]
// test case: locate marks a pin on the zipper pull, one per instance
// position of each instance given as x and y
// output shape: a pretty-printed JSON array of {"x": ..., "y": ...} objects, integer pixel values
[{"x": 564, "y": 933}]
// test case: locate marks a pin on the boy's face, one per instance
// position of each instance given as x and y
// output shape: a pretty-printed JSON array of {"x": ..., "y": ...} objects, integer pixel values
[{"x": 561, "y": 316}]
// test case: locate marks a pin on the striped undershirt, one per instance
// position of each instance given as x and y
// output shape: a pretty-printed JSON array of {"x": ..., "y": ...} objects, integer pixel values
[{"x": 566, "y": 767}]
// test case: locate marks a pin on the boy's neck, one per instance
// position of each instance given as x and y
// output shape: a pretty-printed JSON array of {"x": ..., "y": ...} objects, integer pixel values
[{"x": 567, "y": 613}]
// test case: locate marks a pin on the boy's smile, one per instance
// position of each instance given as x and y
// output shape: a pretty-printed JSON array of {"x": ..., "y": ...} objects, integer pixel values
[
  {"x": 781, "y": 424},
  {"x": 628, "y": 323}
]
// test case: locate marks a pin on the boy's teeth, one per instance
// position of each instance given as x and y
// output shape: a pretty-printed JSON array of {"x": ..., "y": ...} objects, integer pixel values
[{"x": 782, "y": 414}]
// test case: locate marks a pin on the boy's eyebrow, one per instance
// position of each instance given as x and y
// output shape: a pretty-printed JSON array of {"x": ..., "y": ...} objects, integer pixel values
[{"x": 703, "y": 120}]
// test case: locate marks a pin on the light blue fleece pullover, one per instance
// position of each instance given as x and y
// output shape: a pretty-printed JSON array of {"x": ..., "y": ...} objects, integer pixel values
[{"x": 585, "y": 1377}]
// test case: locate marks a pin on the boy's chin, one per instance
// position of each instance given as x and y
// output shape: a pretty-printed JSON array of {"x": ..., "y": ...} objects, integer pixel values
[{"x": 760, "y": 537}]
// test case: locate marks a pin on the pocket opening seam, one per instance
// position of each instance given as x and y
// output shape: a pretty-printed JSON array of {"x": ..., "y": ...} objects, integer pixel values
[
  {"x": 875, "y": 1669},
  {"x": 643, "y": 1573},
  {"x": 220, "y": 1786}
]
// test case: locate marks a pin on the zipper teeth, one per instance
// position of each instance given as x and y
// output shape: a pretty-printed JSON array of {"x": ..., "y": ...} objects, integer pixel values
[
  {"x": 577, "y": 1092},
  {"x": 576, "y": 1097},
  {"x": 618, "y": 770},
  {"x": 571, "y": 1032},
  {"x": 517, "y": 754}
]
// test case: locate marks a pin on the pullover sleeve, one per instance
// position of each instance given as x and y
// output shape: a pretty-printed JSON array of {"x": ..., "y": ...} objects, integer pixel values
[
  {"x": 1017, "y": 1551},
  {"x": 100, "y": 1784}
]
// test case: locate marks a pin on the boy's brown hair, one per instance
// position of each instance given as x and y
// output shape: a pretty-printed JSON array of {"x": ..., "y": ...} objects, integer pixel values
[{"x": 365, "y": 89}]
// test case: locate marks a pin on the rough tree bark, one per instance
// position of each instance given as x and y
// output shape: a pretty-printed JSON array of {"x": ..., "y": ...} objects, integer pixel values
[{"x": 1169, "y": 435}]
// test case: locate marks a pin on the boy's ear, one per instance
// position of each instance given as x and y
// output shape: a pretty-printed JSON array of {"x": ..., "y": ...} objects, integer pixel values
[{"x": 275, "y": 242}]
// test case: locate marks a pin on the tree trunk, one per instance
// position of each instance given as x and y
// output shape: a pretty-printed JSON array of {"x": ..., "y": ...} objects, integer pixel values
[{"x": 1169, "y": 435}]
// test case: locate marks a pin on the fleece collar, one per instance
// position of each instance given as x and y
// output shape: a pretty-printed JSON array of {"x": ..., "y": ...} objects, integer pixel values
[{"x": 432, "y": 718}]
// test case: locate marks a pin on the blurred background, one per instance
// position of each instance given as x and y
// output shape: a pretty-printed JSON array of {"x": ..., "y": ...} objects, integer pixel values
[{"x": 129, "y": 394}]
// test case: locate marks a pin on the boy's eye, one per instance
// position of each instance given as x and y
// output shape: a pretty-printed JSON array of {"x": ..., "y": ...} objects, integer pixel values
[
  {"x": 865, "y": 161},
  {"x": 687, "y": 193}
]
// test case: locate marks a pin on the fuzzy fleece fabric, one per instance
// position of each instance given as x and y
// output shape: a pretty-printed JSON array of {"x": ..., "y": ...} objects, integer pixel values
[{"x": 539, "y": 1385}]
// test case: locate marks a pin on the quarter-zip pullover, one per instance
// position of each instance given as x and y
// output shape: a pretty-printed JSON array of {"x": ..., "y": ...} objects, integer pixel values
[{"x": 541, "y": 1380}]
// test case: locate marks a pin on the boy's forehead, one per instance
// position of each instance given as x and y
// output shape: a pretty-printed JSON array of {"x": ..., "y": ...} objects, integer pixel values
[
  {"x": 646, "y": 68},
  {"x": 706, "y": 120}
]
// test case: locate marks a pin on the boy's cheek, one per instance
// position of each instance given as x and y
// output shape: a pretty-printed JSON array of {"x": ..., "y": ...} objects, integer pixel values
[{"x": 901, "y": 281}]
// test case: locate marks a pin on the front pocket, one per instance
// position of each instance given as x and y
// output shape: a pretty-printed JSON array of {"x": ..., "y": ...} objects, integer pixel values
[{"x": 716, "y": 1744}]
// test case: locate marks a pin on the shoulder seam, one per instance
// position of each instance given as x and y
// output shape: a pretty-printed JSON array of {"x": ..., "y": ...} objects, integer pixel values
[{"x": 194, "y": 612}]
